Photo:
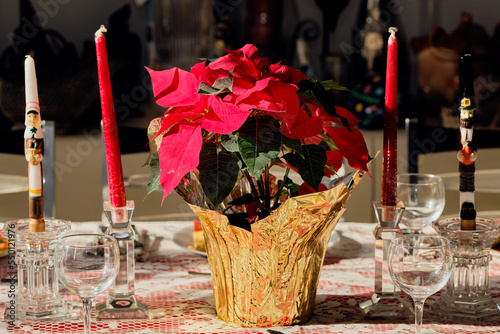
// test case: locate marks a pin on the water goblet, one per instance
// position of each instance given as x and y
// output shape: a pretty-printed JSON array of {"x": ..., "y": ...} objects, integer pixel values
[
  {"x": 423, "y": 196},
  {"x": 87, "y": 264},
  {"x": 420, "y": 265}
]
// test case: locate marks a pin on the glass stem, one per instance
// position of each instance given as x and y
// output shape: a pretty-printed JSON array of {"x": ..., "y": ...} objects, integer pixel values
[
  {"x": 419, "y": 314},
  {"x": 87, "y": 310}
]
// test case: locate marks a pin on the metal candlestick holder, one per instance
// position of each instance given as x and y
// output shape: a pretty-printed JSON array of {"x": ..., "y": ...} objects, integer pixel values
[
  {"x": 386, "y": 300},
  {"x": 37, "y": 294},
  {"x": 121, "y": 302},
  {"x": 467, "y": 295}
]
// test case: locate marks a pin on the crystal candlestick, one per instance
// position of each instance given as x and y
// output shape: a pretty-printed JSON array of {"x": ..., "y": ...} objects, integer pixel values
[
  {"x": 386, "y": 300},
  {"x": 467, "y": 294},
  {"x": 121, "y": 302},
  {"x": 37, "y": 294}
]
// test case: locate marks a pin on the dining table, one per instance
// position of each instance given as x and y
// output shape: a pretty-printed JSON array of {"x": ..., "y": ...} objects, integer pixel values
[
  {"x": 174, "y": 281},
  {"x": 10, "y": 184}
]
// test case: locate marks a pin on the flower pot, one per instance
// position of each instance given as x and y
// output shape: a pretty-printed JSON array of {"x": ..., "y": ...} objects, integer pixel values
[{"x": 268, "y": 277}]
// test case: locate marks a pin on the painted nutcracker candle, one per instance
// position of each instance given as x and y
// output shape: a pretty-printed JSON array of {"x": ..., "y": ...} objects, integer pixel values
[
  {"x": 467, "y": 144},
  {"x": 33, "y": 146}
]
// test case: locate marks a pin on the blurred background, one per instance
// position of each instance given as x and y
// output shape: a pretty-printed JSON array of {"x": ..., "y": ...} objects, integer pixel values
[{"x": 343, "y": 40}]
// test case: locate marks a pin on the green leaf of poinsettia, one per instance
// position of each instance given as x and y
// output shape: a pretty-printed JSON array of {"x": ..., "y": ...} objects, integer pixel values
[
  {"x": 259, "y": 143},
  {"x": 293, "y": 144},
  {"x": 218, "y": 172},
  {"x": 329, "y": 142},
  {"x": 219, "y": 86},
  {"x": 154, "y": 173},
  {"x": 332, "y": 84},
  {"x": 311, "y": 167},
  {"x": 319, "y": 94},
  {"x": 288, "y": 184},
  {"x": 230, "y": 142},
  {"x": 308, "y": 95}
]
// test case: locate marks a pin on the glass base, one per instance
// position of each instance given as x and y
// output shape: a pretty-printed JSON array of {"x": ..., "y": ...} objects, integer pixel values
[
  {"x": 50, "y": 312},
  {"x": 36, "y": 293},
  {"x": 126, "y": 307},
  {"x": 467, "y": 294},
  {"x": 385, "y": 306},
  {"x": 455, "y": 309},
  {"x": 386, "y": 300},
  {"x": 121, "y": 302}
]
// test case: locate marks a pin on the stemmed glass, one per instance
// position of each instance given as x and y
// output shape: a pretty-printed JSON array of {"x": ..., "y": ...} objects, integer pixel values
[
  {"x": 87, "y": 264},
  {"x": 423, "y": 196},
  {"x": 420, "y": 265}
]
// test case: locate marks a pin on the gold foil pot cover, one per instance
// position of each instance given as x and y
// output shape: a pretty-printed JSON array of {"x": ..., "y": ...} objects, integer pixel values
[{"x": 269, "y": 277}]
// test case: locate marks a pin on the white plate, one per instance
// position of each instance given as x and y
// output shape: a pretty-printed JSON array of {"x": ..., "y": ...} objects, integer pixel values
[
  {"x": 13, "y": 183},
  {"x": 184, "y": 238},
  {"x": 334, "y": 238}
]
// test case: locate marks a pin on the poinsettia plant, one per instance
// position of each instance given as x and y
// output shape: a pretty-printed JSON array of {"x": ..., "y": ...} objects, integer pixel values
[{"x": 230, "y": 121}]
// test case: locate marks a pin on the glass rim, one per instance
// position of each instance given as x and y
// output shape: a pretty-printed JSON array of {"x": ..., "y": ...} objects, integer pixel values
[
  {"x": 446, "y": 241},
  {"x": 111, "y": 240},
  {"x": 427, "y": 178}
]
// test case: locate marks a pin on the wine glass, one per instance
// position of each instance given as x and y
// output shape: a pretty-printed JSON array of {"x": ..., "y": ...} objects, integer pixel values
[
  {"x": 423, "y": 196},
  {"x": 420, "y": 265},
  {"x": 87, "y": 264}
]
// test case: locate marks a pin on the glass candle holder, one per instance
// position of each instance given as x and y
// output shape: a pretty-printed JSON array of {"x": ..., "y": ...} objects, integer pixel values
[
  {"x": 386, "y": 300},
  {"x": 36, "y": 296},
  {"x": 467, "y": 294},
  {"x": 121, "y": 302}
]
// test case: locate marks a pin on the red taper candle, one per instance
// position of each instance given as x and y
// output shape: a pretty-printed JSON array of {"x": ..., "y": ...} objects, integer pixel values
[
  {"x": 390, "y": 165},
  {"x": 110, "y": 130}
]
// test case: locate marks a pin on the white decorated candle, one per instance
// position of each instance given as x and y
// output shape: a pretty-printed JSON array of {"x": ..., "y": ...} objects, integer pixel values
[{"x": 33, "y": 135}]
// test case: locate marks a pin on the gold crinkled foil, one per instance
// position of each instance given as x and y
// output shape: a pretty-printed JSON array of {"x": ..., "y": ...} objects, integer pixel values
[{"x": 269, "y": 277}]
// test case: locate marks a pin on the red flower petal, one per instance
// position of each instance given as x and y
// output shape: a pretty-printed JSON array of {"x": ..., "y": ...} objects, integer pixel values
[
  {"x": 334, "y": 159},
  {"x": 352, "y": 120},
  {"x": 174, "y": 116},
  {"x": 303, "y": 127},
  {"x": 282, "y": 164},
  {"x": 249, "y": 94},
  {"x": 250, "y": 51},
  {"x": 287, "y": 74},
  {"x": 241, "y": 86},
  {"x": 198, "y": 70},
  {"x": 179, "y": 154},
  {"x": 305, "y": 189},
  {"x": 228, "y": 62},
  {"x": 223, "y": 117},
  {"x": 206, "y": 74},
  {"x": 278, "y": 98},
  {"x": 351, "y": 144},
  {"x": 252, "y": 209},
  {"x": 174, "y": 87},
  {"x": 244, "y": 62}
]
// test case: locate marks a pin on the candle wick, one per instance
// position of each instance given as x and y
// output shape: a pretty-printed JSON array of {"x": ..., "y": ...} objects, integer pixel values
[
  {"x": 101, "y": 30},
  {"x": 392, "y": 31}
]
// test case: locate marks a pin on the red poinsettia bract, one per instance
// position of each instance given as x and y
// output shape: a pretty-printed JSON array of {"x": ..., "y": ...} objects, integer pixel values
[{"x": 218, "y": 97}]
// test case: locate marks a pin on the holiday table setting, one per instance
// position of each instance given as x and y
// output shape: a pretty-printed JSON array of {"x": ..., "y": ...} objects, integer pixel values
[{"x": 269, "y": 254}]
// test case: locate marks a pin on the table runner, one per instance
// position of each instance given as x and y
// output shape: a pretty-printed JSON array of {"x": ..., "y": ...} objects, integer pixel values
[{"x": 184, "y": 301}]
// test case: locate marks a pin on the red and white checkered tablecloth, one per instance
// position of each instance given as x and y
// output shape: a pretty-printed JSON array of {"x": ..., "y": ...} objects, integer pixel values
[{"x": 185, "y": 302}]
